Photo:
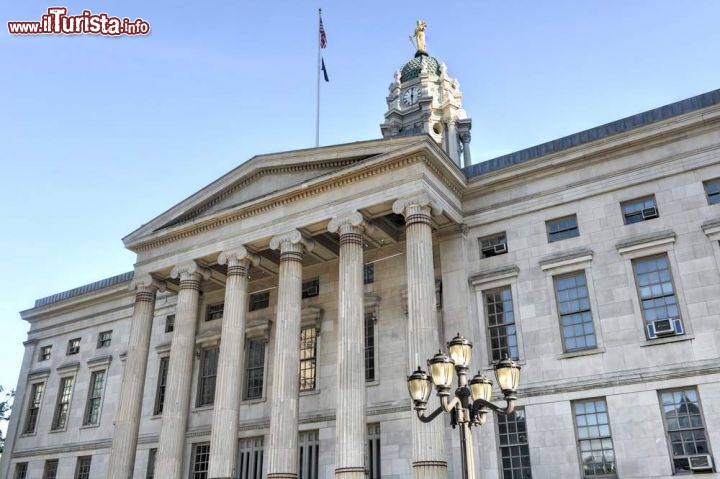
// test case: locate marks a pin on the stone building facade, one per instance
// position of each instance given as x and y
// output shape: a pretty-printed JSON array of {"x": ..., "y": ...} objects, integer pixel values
[{"x": 271, "y": 319}]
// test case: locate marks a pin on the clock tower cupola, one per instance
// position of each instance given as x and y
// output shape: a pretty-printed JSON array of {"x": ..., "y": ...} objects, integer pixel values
[{"x": 425, "y": 99}]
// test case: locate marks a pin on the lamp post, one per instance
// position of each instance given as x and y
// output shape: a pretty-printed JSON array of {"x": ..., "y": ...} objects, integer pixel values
[{"x": 471, "y": 403}]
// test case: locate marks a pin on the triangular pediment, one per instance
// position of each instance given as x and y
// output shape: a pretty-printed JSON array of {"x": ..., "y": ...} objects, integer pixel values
[{"x": 266, "y": 175}]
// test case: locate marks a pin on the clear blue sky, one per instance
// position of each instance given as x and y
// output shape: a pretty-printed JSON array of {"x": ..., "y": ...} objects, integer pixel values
[{"x": 99, "y": 135}]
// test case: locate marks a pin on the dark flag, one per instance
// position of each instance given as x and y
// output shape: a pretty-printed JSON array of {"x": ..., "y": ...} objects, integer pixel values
[{"x": 324, "y": 70}]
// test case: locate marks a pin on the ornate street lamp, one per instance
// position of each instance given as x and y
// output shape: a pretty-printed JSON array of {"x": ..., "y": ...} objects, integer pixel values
[{"x": 471, "y": 403}]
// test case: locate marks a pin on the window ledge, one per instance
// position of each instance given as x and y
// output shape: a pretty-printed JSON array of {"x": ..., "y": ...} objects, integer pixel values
[
  {"x": 56, "y": 431},
  {"x": 309, "y": 393},
  {"x": 582, "y": 352},
  {"x": 376, "y": 382},
  {"x": 28, "y": 434},
  {"x": 250, "y": 402},
  {"x": 156, "y": 416},
  {"x": 206, "y": 407},
  {"x": 672, "y": 339},
  {"x": 90, "y": 426}
]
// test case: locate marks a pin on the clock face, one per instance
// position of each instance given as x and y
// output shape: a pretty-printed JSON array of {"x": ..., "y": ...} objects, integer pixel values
[{"x": 411, "y": 96}]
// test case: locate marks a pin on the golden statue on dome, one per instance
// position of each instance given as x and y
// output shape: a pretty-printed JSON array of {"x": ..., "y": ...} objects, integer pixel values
[{"x": 420, "y": 36}]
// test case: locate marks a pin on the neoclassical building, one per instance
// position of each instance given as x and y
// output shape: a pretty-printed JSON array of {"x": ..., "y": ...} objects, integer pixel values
[{"x": 272, "y": 318}]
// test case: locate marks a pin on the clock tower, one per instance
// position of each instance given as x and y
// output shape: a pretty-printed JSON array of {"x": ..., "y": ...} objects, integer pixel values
[{"x": 425, "y": 99}]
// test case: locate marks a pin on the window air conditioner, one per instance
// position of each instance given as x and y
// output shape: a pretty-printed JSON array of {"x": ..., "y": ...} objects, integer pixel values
[
  {"x": 701, "y": 462},
  {"x": 500, "y": 248},
  {"x": 649, "y": 213},
  {"x": 664, "y": 327}
]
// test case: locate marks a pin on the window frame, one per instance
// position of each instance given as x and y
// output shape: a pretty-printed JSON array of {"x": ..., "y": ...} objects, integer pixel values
[
  {"x": 310, "y": 288},
  {"x": 370, "y": 350},
  {"x": 73, "y": 346},
  {"x": 259, "y": 300},
  {"x": 668, "y": 440},
  {"x": 159, "y": 403},
  {"x": 62, "y": 404},
  {"x": 647, "y": 322},
  {"x": 564, "y": 233},
  {"x": 368, "y": 273},
  {"x": 311, "y": 360},
  {"x": 634, "y": 216},
  {"x": 250, "y": 457},
  {"x": 308, "y": 441},
  {"x": 713, "y": 198},
  {"x": 47, "y": 471},
  {"x": 489, "y": 328},
  {"x": 169, "y": 323},
  {"x": 502, "y": 419},
  {"x": 601, "y": 438},
  {"x": 32, "y": 407},
  {"x": 21, "y": 470},
  {"x": 104, "y": 342},
  {"x": 207, "y": 379},
  {"x": 488, "y": 244},
  {"x": 152, "y": 458},
  {"x": 80, "y": 465},
  {"x": 194, "y": 473},
  {"x": 374, "y": 455},
  {"x": 94, "y": 398},
  {"x": 214, "y": 311},
  {"x": 45, "y": 353},
  {"x": 560, "y": 315},
  {"x": 246, "y": 379}
]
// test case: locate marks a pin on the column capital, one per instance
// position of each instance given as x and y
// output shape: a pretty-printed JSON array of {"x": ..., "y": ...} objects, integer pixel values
[
  {"x": 292, "y": 237},
  {"x": 352, "y": 222},
  {"x": 148, "y": 283},
  {"x": 401, "y": 205},
  {"x": 190, "y": 270},
  {"x": 232, "y": 257}
]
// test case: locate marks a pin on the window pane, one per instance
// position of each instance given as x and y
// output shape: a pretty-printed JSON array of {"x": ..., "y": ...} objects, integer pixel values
[
  {"x": 308, "y": 346},
  {"x": 201, "y": 459},
  {"x": 684, "y": 426},
  {"x": 501, "y": 324},
  {"x": 574, "y": 307},
  {"x": 255, "y": 369},
  {"x": 655, "y": 288},
  {"x": 514, "y": 449},
  {"x": 369, "y": 347},
  {"x": 62, "y": 406},
  {"x": 162, "y": 381},
  {"x": 250, "y": 458},
  {"x": 562, "y": 228},
  {"x": 208, "y": 373},
  {"x": 594, "y": 440}
]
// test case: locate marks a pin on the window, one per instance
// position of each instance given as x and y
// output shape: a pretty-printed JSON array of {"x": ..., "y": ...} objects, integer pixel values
[
  {"x": 373, "y": 451},
  {"x": 36, "y": 393},
  {"x": 207, "y": 376},
  {"x": 685, "y": 430},
  {"x": 513, "y": 441},
  {"x": 562, "y": 228},
  {"x": 311, "y": 288},
  {"x": 92, "y": 408},
  {"x": 255, "y": 368},
  {"x": 308, "y": 350},
  {"x": 501, "y": 324},
  {"x": 215, "y": 311},
  {"x": 200, "y": 461},
  {"x": 369, "y": 347},
  {"x": 21, "y": 470},
  {"x": 712, "y": 190},
  {"x": 250, "y": 458},
  {"x": 594, "y": 439},
  {"x": 657, "y": 296},
  {"x": 73, "y": 346},
  {"x": 169, "y": 323},
  {"x": 63, "y": 404},
  {"x": 369, "y": 273},
  {"x": 493, "y": 245},
  {"x": 152, "y": 455},
  {"x": 640, "y": 209},
  {"x": 308, "y": 448},
  {"x": 45, "y": 352},
  {"x": 82, "y": 468},
  {"x": 259, "y": 300},
  {"x": 104, "y": 339},
  {"x": 576, "y": 320},
  {"x": 50, "y": 470},
  {"x": 162, "y": 382}
]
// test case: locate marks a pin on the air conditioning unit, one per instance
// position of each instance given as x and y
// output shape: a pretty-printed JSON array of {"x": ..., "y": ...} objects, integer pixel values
[
  {"x": 664, "y": 327},
  {"x": 701, "y": 462},
  {"x": 500, "y": 248},
  {"x": 649, "y": 213}
]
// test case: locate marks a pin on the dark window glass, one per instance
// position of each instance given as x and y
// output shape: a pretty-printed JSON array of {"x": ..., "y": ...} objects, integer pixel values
[
  {"x": 493, "y": 245},
  {"x": 308, "y": 350},
  {"x": 214, "y": 311},
  {"x": 169, "y": 323},
  {"x": 152, "y": 455},
  {"x": 308, "y": 451},
  {"x": 255, "y": 369},
  {"x": 501, "y": 324},
  {"x": 208, "y": 374},
  {"x": 82, "y": 468},
  {"x": 369, "y": 347},
  {"x": 640, "y": 209},
  {"x": 63, "y": 403},
  {"x": 45, "y": 352},
  {"x": 36, "y": 394},
  {"x": 50, "y": 470},
  {"x": 250, "y": 458},
  {"x": 104, "y": 339},
  {"x": 656, "y": 291},
  {"x": 92, "y": 409},
  {"x": 162, "y": 382},
  {"x": 712, "y": 190},
  {"x": 684, "y": 426},
  {"x": 21, "y": 470},
  {"x": 201, "y": 460},
  {"x": 73, "y": 346},
  {"x": 374, "y": 451},
  {"x": 311, "y": 288},
  {"x": 562, "y": 228},
  {"x": 369, "y": 273},
  {"x": 514, "y": 449},
  {"x": 259, "y": 300},
  {"x": 574, "y": 308},
  {"x": 594, "y": 438}
]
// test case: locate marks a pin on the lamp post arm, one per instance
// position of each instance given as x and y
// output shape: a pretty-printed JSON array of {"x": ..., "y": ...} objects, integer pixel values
[
  {"x": 427, "y": 418},
  {"x": 479, "y": 404},
  {"x": 446, "y": 405}
]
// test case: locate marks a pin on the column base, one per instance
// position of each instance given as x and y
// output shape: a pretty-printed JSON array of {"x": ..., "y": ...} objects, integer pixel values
[
  {"x": 282, "y": 475},
  {"x": 429, "y": 470},
  {"x": 350, "y": 473}
]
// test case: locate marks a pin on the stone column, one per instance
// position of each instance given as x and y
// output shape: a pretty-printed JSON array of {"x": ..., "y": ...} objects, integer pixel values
[
  {"x": 169, "y": 464},
  {"x": 127, "y": 418},
  {"x": 282, "y": 451},
  {"x": 465, "y": 139},
  {"x": 350, "y": 427},
  {"x": 224, "y": 435},
  {"x": 429, "y": 459}
]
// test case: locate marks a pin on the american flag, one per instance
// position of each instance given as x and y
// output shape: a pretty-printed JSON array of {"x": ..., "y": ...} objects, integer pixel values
[{"x": 323, "y": 38}]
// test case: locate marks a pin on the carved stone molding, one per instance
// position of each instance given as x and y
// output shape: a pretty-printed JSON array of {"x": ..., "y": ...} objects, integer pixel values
[
  {"x": 190, "y": 270},
  {"x": 353, "y": 219},
  {"x": 147, "y": 282},
  {"x": 235, "y": 255},
  {"x": 293, "y": 237},
  {"x": 423, "y": 199}
]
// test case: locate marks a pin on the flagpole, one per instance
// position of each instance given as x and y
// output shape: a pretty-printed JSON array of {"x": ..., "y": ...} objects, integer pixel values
[{"x": 317, "y": 107}]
